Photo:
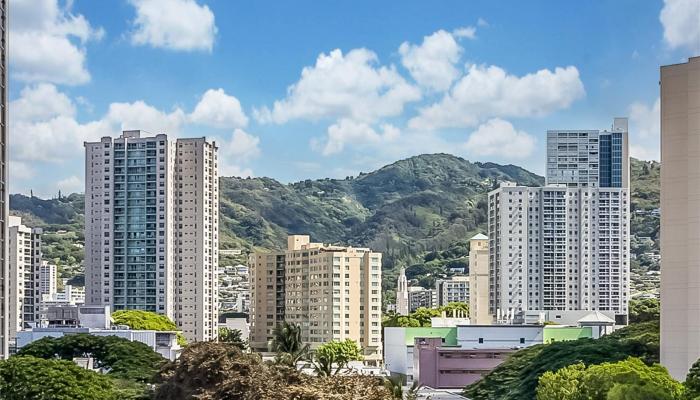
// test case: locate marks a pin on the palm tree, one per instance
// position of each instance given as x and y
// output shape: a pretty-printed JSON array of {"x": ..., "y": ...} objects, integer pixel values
[{"x": 286, "y": 342}]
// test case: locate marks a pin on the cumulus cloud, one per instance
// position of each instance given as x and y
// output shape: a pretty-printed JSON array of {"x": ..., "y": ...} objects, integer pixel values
[
  {"x": 241, "y": 146},
  {"x": 681, "y": 23},
  {"x": 468, "y": 32},
  {"x": 347, "y": 131},
  {"x": 219, "y": 110},
  {"x": 40, "y": 102},
  {"x": 497, "y": 137},
  {"x": 182, "y": 25},
  {"x": 489, "y": 91},
  {"x": 339, "y": 85},
  {"x": 70, "y": 184},
  {"x": 48, "y": 42},
  {"x": 645, "y": 129},
  {"x": 433, "y": 63}
]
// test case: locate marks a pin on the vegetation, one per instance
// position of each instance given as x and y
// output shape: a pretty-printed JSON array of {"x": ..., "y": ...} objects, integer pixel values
[
  {"x": 29, "y": 377},
  {"x": 146, "y": 320},
  {"x": 518, "y": 376},
  {"x": 421, "y": 317},
  {"x": 644, "y": 310},
  {"x": 628, "y": 379},
  {"x": 286, "y": 342},
  {"x": 335, "y": 354},
  {"x": 218, "y": 371},
  {"x": 233, "y": 337},
  {"x": 121, "y": 358}
]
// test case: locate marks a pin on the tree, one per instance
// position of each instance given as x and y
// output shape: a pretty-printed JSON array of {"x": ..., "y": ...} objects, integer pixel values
[
  {"x": 644, "y": 310},
  {"x": 35, "y": 378},
  {"x": 219, "y": 371},
  {"x": 692, "y": 381},
  {"x": 622, "y": 380},
  {"x": 147, "y": 320},
  {"x": 286, "y": 342},
  {"x": 122, "y": 358},
  {"x": 234, "y": 337},
  {"x": 517, "y": 377},
  {"x": 335, "y": 353}
]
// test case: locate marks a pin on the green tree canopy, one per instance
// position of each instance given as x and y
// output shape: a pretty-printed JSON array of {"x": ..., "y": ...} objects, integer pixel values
[
  {"x": 692, "y": 381},
  {"x": 233, "y": 336},
  {"x": 421, "y": 317},
  {"x": 286, "y": 342},
  {"x": 147, "y": 320},
  {"x": 517, "y": 377},
  {"x": 338, "y": 353},
  {"x": 122, "y": 358},
  {"x": 628, "y": 379},
  {"x": 644, "y": 310},
  {"x": 26, "y": 377}
]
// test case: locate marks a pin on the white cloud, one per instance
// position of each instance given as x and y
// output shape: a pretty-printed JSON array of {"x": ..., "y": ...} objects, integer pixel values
[
  {"x": 139, "y": 115},
  {"x": 347, "y": 131},
  {"x": 242, "y": 146},
  {"x": 343, "y": 86},
  {"x": 681, "y": 22},
  {"x": 487, "y": 92},
  {"x": 48, "y": 42},
  {"x": 173, "y": 24},
  {"x": 482, "y": 22},
  {"x": 468, "y": 32},
  {"x": 219, "y": 110},
  {"x": 497, "y": 137},
  {"x": 645, "y": 129},
  {"x": 41, "y": 102},
  {"x": 70, "y": 184},
  {"x": 432, "y": 64},
  {"x": 235, "y": 170}
]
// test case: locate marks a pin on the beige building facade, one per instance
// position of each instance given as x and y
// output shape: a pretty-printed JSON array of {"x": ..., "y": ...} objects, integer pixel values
[
  {"x": 266, "y": 274},
  {"x": 151, "y": 228},
  {"x": 332, "y": 292},
  {"x": 680, "y": 216},
  {"x": 479, "y": 280}
]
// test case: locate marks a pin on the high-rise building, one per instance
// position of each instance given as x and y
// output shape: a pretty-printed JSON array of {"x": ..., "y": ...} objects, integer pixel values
[
  {"x": 454, "y": 290},
  {"x": 479, "y": 280},
  {"x": 332, "y": 292},
  {"x": 680, "y": 216},
  {"x": 267, "y": 301},
  {"x": 24, "y": 270},
  {"x": 589, "y": 158},
  {"x": 402, "y": 293},
  {"x": 47, "y": 280},
  {"x": 4, "y": 194},
  {"x": 151, "y": 228},
  {"x": 419, "y": 297},
  {"x": 565, "y": 246}
]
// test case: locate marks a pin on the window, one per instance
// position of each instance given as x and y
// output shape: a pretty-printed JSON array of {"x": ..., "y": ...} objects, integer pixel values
[{"x": 481, "y": 340}]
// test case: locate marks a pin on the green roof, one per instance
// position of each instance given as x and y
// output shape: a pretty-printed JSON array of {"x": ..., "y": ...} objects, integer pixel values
[
  {"x": 564, "y": 333},
  {"x": 449, "y": 334}
]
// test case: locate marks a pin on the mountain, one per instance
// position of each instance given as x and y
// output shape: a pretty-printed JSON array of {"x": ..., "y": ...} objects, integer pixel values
[{"x": 419, "y": 212}]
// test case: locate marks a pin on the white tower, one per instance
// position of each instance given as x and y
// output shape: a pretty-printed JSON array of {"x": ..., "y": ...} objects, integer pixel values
[{"x": 402, "y": 294}]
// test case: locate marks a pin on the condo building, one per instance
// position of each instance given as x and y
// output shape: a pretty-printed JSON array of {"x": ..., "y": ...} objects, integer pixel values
[
  {"x": 24, "y": 272},
  {"x": 151, "y": 228},
  {"x": 4, "y": 194},
  {"x": 267, "y": 296},
  {"x": 332, "y": 292},
  {"x": 565, "y": 246},
  {"x": 454, "y": 290},
  {"x": 419, "y": 297},
  {"x": 680, "y": 216},
  {"x": 47, "y": 280},
  {"x": 479, "y": 280}
]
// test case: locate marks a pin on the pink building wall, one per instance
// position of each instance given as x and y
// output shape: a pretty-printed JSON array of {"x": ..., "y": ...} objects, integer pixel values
[{"x": 452, "y": 367}]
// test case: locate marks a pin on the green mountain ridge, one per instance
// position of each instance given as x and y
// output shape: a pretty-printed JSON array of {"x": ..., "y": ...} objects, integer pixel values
[{"x": 419, "y": 211}]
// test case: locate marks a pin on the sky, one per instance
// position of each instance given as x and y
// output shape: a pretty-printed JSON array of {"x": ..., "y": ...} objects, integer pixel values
[{"x": 304, "y": 89}]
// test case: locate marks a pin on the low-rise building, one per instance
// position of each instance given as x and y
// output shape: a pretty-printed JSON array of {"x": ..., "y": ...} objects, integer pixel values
[{"x": 419, "y": 297}]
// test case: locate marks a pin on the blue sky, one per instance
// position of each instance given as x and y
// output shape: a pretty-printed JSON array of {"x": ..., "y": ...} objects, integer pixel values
[{"x": 309, "y": 89}]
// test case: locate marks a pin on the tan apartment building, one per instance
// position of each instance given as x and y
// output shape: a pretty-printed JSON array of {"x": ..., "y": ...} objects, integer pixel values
[
  {"x": 680, "y": 216},
  {"x": 266, "y": 274},
  {"x": 151, "y": 228},
  {"x": 332, "y": 292},
  {"x": 24, "y": 267},
  {"x": 479, "y": 280}
]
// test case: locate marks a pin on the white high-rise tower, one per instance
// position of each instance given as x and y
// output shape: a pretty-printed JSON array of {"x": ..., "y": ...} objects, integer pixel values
[{"x": 151, "y": 228}]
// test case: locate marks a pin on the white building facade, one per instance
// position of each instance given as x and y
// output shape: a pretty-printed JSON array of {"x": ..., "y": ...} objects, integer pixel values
[
  {"x": 151, "y": 228},
  {"x": 24, "y": 272}
]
